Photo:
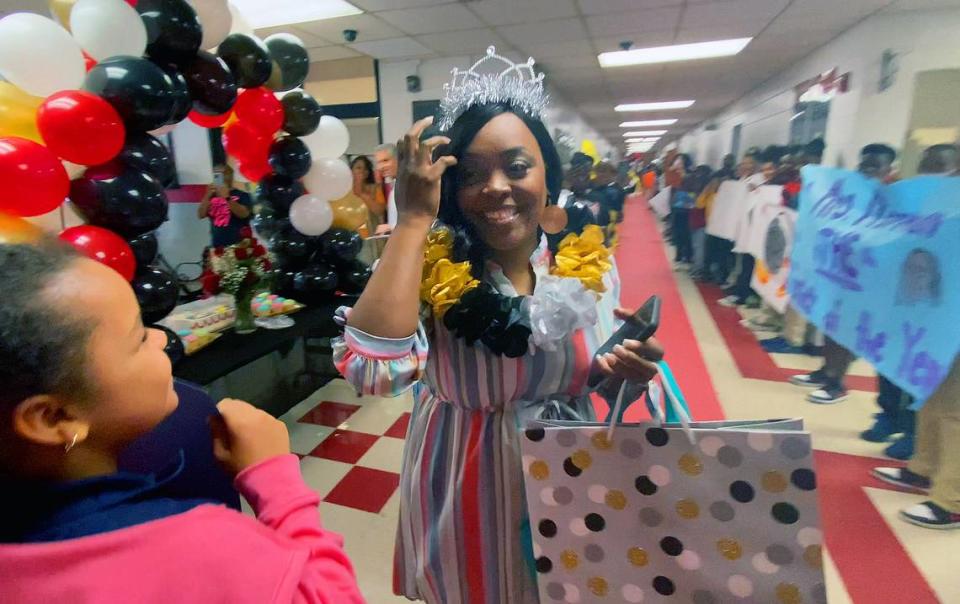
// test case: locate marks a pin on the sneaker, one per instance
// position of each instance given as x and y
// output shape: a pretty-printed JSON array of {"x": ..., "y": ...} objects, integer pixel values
[
  {"x": 828, "y": 396},
  {"x": 881, "y": 431},
  {"x": 903, "y": 478},
  {"x": 930, "y": 515},
  {"x": 814, "y": 379},
  {"x": 759, "y": 324},
  {"x": 753, "y": 301},
  {"x": 902, "y": 449},
  {"x": 812, "y": 350},
  {"x": 731, "y": 301},
  {"x": 680, "y": 266}
]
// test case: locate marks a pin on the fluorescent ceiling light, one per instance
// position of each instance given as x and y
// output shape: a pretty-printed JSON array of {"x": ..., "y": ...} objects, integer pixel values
[
  {"x": 636, "y": 134},
  {"x": 270, "y": 13},
  {"x": 641, "y": 148},
  {"x": 631, "y": 141},
  {"x": 648, "y": 123},
  {"x": 670, "y": 54},
  {"x": 659, "y": 106}
]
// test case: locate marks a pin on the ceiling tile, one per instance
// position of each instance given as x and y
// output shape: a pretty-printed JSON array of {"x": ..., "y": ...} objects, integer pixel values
[
  {"x": 906, "y": 5},
  {"x": 331, "y": 53},
  {"x": 471, "y": 41},
  {"x": 396, "y": 48},
  {"x": 657, "y": 19},
  {"x": 434, "y": 19},
  {"x": 544, "y": 32},
  {"x": 560, "y": 48},
  {"x": 379, "y": 5},
  {"x": 640, "y": 40},
  {"x": 505, "y": 12},
  {"x": 603, "y": 7},
  {"x": 367, "y": 27},
  {"x": 743, "y": 29},
  {"x": 732, "y": 12},
  {"x": 309, "y": 40}
]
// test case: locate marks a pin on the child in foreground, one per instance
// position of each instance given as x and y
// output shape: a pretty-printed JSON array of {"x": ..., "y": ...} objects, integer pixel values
[{"x": 82, "y": 378}]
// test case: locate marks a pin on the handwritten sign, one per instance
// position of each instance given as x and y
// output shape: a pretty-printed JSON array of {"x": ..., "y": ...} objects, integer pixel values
[
  {"x": 878, "y": 269},
  {"x": 776, "y": 226},
  {"x": 661, "y": 202},
  {"x": 729, "y": 206}
]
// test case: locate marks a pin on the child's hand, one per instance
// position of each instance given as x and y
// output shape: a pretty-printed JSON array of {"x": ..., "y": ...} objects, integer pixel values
[{"x": 244, "y": 436}]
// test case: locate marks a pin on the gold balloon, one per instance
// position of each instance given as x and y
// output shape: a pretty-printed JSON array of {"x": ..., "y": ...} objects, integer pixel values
[
  {"x": 60, "y": 9},
  {"x": 14, "y": 229},
  {"x": 349, "y": 212},
  {"x": 18, "y": 113}
]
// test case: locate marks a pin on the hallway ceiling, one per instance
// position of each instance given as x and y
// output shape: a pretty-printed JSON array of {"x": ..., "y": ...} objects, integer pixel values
[{"x": 565, "y": 36}]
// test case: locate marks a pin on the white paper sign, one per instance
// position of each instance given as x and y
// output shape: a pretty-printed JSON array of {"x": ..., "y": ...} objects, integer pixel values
[
  {"x": 728, "y": 207},
  {"x": 661, "y": 202}
]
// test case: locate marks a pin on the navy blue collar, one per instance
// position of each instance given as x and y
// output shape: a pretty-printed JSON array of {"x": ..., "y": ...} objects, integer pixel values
[{"x": 35, "y": 512}]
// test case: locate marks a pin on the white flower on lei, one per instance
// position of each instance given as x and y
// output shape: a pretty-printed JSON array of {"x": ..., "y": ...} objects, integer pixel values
[{"x": 559, "y": 306}]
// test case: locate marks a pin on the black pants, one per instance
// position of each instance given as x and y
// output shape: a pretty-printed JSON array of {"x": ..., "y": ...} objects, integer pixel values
[
  {"x": 836, "y": 362},
  {"x": 719, "y": 258},
  {"x": 895, "y": 404},
  {"x": 681, "y": 235},
  {"x": 741, "y": 288}
]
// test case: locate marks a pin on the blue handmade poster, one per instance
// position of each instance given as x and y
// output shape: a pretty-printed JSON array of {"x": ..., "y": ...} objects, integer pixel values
[{"x": 877, "y": 268}]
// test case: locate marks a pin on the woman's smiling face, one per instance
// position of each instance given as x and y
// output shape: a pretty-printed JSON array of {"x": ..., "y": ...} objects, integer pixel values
[{"x": 502, "y": 187}]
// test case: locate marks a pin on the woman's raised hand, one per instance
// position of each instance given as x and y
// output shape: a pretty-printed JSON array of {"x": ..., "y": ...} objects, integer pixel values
[{"x": 418, "y": 175}]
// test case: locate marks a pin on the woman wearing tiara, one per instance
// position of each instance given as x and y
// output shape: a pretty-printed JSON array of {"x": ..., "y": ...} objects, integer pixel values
[{"x": 492, "y": 323}]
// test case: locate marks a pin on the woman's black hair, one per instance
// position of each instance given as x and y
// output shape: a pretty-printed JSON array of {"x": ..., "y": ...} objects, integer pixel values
[
  {"x": 42, "y": 346},
  {"x": 467, "y": 244},
  {"x": 370, "y": 180}
]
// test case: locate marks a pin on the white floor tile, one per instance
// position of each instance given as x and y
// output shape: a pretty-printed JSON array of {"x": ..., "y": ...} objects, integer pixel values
[
  {"x": 386, "y": 454},
  {"x": 323, "y": 474}
]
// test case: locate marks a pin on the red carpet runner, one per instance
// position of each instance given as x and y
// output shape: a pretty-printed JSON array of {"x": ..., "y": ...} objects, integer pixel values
[{"x": 645, "y": 270}]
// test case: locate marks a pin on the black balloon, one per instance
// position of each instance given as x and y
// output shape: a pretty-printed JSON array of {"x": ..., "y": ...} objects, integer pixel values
[
  {"x": 182, "y": 103},
  {"x": 156, "y": 291},
  {"x": 144, "y": 248},
  {"x": 340, "y": 246},
  {"x": 248, "y": 59},
  {"x": 289, "y": 53},
  {"x": 174, "y": 32},
  {"x": 291, "y": 247},
  {"x": 289, "y": 156},
  {"x": 212, "y": 86},
  {"x": 283, "y": 278},
  {"x": 174, "y": 347},
  {"x": 139, "y": 90},
  {"x": 147, "y": 154},
  {"x": 354, "y": 277},
  {"x": 315, "y": 283},
  {"x": 126, "y": 200},
  {"x": 301, "y": 113},
  {"x": 280, "y": 191},
  {"x": 267, "y": 222}
]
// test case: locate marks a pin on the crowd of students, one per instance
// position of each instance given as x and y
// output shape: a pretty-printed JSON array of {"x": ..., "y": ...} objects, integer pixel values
[{"x": 929, "y": 441}]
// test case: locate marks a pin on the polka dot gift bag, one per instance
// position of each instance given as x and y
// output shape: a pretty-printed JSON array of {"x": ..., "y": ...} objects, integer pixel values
[{"x": 699, "y": 513}]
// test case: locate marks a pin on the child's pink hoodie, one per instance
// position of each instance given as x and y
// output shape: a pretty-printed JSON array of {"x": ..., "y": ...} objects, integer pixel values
[{"x": 208, "y": 554}]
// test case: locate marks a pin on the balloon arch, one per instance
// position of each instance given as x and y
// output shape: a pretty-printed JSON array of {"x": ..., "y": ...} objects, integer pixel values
[{"x": 88, "y": 92}]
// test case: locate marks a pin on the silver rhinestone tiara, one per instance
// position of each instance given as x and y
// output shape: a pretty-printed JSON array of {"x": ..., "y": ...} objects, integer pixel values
[{"x": 493, "y": 79}]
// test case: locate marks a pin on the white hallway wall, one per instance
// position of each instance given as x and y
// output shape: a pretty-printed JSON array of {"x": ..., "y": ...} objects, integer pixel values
[
  {"x": 396, "y": 102},
  {"x": 924, "y": 40}
]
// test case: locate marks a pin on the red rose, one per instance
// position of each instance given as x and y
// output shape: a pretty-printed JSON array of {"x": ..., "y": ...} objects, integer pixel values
[
  {"x": 267, "y": 265},
  {"x": 218, "y": 251},
  {"x": 246, "y": 232},
  {"x": 242, "y": 253},
  {"x": 259, "y": 250},
  {"x": 211, "y": 283}
]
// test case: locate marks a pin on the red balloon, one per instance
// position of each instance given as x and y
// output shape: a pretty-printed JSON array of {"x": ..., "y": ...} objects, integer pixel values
[
  {"x": 254, "y": 170},
  {"x": 208, "y": 121},
  {"x": 88, "y": 61},
  {"x": 33, "y": 179},
  {"x": 260, "y": 108},
  {"x": 80, "y": 127},
  {"x": 246, "y": 143},
  {"x": 104, "y": 246}
]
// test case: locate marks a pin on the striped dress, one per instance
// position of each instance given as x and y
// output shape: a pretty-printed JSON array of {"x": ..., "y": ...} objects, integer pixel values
[{"x": 463, "y": 534}]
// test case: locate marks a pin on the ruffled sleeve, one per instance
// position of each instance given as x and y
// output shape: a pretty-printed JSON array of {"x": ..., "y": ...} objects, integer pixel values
[{"x": 379, "y": 366}]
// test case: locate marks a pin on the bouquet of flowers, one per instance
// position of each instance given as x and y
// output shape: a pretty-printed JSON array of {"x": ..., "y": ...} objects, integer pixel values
[{"x": 240, "y": 270}]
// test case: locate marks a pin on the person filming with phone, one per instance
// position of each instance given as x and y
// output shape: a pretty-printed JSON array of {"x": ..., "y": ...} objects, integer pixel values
[{"x": 227, "y": 208}]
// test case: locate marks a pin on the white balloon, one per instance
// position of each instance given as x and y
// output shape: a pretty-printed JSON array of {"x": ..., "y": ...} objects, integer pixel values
[
  {"x": 38, "y": 55},
  {"x": 107, "y": 28},
  {"x": 216, "y": 18},
  {"x": 330, "y": 139},
  {"x": 311, "y": 215},
  {"x": 328, "y": 178}
]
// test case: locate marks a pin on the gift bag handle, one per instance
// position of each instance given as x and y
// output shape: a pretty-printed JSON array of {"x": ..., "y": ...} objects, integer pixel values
[{"x": 654, "y": 392}]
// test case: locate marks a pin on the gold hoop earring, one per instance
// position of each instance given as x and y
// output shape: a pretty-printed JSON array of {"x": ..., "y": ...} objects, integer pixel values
[
  {"x": 70, "y": 445},
  {"x": 553, "y": 220}
]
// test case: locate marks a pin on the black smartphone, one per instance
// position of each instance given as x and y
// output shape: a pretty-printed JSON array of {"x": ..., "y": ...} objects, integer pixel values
[{"x": 641, "y": 326}]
